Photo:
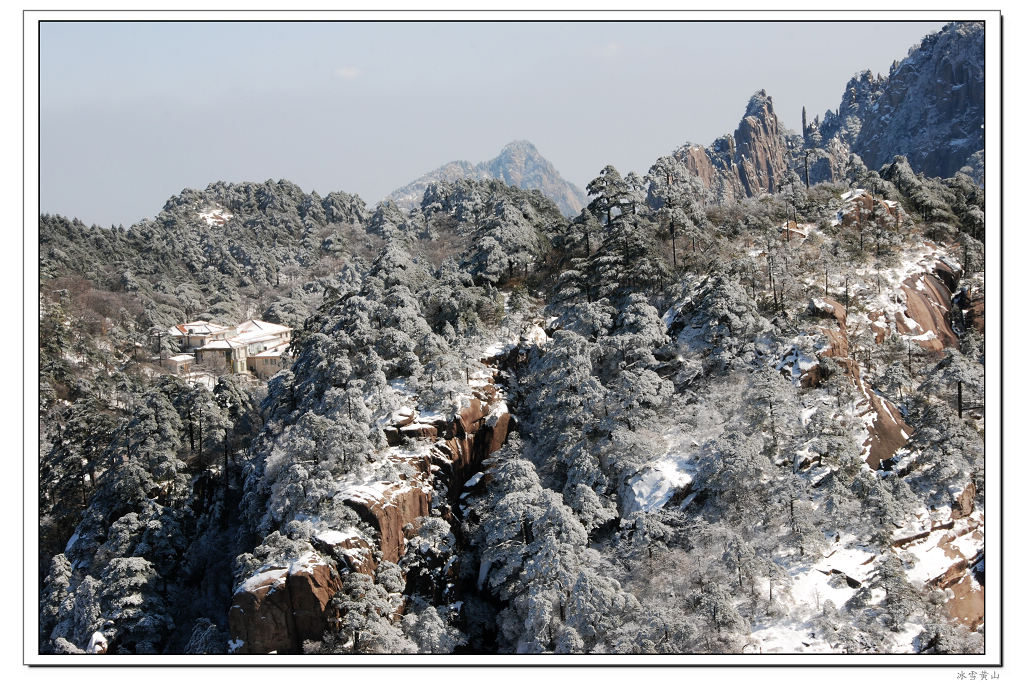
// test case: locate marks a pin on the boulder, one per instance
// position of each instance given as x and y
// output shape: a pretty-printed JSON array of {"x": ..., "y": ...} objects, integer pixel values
[
  {"x": 963, "y": 504},
  {"x": 282, "y": 606}
]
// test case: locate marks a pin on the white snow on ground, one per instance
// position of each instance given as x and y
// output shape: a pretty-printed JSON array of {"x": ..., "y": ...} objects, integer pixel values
[
  {"x": 652, "y": 487},
  {"x": 809, "y": 591},
  {"x": 97, "y": 643},
  {"x": 209, "y": 381},
  {"x": 498, "y": 348},
  {"x": 806, "y": 414},
  {"x": 535, "y": 335},
  {"x": 925, "y": 560},
  {"x": 929, "y": 559},
  {"x": 333, "y": 537}
]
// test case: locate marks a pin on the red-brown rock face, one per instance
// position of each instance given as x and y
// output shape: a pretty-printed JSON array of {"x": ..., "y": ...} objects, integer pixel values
[
  {"x": 747, "y": 163},
  {"x": 887, "y": 432},
  {"x": 928, "y": 305},
  {"x": 388, "y": 510},
  {"x": 280, "y": 607}
]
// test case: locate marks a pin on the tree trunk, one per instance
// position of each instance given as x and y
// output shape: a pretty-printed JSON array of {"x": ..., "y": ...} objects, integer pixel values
[{"x": 960, "y": 399}]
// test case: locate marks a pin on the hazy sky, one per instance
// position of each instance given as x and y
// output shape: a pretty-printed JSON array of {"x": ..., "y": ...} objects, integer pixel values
[{"x": 132, "y": 113}]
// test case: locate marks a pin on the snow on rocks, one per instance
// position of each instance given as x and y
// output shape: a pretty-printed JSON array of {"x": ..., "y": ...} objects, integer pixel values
[
  {"x": 671, "y": 475},
  {"x": 275, "y": 574},
  {"x": 652, "y": 488},
  {"x": 215, "y": 216},
  {"x": 282, "y": 605},
  {"x": 97, "y": 644}
]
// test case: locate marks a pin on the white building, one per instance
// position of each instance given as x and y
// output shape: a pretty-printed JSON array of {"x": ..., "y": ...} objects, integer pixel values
[
  {"x": 258, "y": 336},
  {"x": 269, "y": 362},
  {"x": 231, "y": 349},
  {"x": 193, "y": 335}
]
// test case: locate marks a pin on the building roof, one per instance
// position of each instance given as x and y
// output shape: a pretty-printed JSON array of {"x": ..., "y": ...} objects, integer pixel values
[
  {"x": 255, "y": 337},
  {"x": 258, "y": 326},
  {"x": 222, "y": 345},
  {"x": 276, "y": 351},
  {"x": 184, "y": 357},
  {"x": 200, "y": 327}
]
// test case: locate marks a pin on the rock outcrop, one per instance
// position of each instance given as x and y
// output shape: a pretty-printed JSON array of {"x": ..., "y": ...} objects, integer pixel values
[
  {"x": 887, "y": 432},
  {"x": 281, "y": 606},
  {"x": 927, "y": 315},
  {"x": 749, "y": 162}
]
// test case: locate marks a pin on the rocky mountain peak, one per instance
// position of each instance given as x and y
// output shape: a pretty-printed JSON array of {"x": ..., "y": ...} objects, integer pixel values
[
  {"x": 760, "y": 105},
  {"x": 521, "y": 147},
  {"x": 518, "y": 164},
  {"x": 750, "y": 161}
]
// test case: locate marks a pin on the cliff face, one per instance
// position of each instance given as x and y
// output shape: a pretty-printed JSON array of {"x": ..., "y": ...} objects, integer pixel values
[
  {"x": 518, "y": 164},
  {"x": 930, "y": 107},
  {"x": 750, "y": 161},
  {"x": 282, "y": 606}
]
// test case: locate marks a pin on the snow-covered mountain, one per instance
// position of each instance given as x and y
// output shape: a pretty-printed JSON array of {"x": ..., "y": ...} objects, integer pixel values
[
  {"x": 663, "y": 426},
  {"x": 518, "y": 164},
  {"x": 929, "y": 108}
]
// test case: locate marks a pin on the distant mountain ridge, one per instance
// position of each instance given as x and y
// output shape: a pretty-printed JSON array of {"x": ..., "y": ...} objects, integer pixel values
[{"x": 518, "y": 164}]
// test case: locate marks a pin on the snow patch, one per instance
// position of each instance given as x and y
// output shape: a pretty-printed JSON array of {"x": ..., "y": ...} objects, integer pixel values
[
  {"x": 655, "y": 486},
  {"x": 333, "y": 537},
  {"x": 215, "y": 216}
]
